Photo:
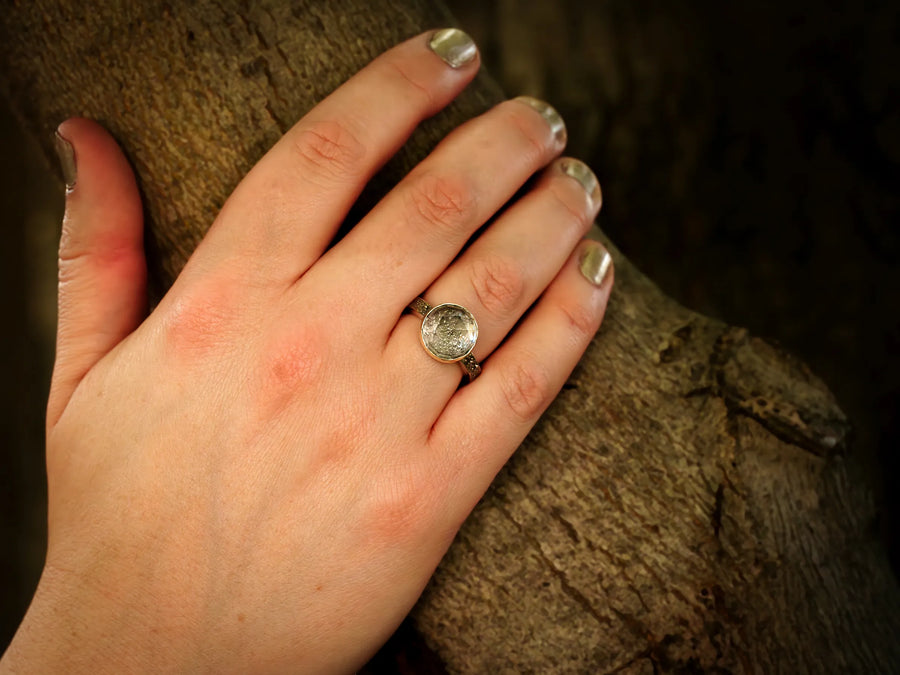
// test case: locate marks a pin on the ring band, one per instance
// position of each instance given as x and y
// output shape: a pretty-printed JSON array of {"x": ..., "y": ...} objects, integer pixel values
[{"x": 448, "y": 333}]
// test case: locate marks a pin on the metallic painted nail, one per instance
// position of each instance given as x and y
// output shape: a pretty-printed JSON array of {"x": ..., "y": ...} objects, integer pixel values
[
  {"x": 66, "y": 160},
  {"x": 548, "y": 112},
  {"x": 583, "y": 174},
  {"x": 453, "y": 46},
  {"x": 595, "y": 263}
]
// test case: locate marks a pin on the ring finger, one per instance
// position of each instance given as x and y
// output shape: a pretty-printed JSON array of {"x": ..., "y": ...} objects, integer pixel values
[{"x": 502, "y": 273}]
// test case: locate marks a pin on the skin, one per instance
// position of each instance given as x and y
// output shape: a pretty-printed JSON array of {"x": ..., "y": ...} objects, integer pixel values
[{"x": 262, "y": 474}]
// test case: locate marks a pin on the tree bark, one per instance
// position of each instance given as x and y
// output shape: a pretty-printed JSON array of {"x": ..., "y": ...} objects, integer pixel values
[{"x": 684, "y": 506}]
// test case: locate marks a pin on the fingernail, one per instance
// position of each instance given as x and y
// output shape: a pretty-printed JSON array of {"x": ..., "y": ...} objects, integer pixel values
[
  {"x": 595, "y": 263},
  {"x": 66, "y": 160},
  {"x": 583, "y": 174},
  {"x": 548, "y": 112},
  {"x": 453, "y": 46}
]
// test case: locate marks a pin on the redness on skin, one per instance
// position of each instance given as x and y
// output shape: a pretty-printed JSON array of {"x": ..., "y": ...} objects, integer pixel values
[
  {"x": 203, "y": 321},
  {"x": 293, "y": 362}
]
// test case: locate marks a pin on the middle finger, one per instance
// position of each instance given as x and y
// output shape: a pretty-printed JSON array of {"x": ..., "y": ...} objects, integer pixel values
[{"x": 417, "y": 230}]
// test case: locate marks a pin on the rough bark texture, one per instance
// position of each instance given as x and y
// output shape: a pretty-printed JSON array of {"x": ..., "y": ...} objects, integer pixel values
[{"x": 684, "y": 506}]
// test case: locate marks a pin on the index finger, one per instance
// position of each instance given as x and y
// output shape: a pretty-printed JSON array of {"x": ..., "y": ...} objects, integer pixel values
[{"x": 288, "y": 208}]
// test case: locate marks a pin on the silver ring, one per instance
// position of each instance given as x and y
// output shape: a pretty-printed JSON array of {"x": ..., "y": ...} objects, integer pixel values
[{"x": 448, "y": 333}]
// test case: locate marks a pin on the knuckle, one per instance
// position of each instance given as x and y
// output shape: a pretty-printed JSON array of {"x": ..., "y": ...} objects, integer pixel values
[
  {"x": 77, "y": 249},
  {"x": 580, "y": 319},
  {"x": 499, "y": 285},
  {"x": 401, "y": 508},
  {"x": 292, "y": 364},
  {"x": 413, "y": 87},
  {"x": 533, "y": 133},
  {"x": 572, "y": 204},
  {"x": 200, "y": 322},
  {"x": 346, "y": 429},
  {"x": 444, "y": 202},
  {"x": 526, "y": 389},
  {"x": 72, "y": 248},
  {"x": 329, "y": 146}
]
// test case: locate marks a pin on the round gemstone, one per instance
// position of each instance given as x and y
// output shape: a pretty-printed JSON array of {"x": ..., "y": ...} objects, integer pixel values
[{"x": 449, "y": 332}]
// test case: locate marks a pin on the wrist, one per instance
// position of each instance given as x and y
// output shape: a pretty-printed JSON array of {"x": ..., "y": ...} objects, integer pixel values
[{"x": 71, "y": 627}]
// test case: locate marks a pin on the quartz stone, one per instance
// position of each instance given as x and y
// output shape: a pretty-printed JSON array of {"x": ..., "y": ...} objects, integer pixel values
[{"x": 449, "y": 332}]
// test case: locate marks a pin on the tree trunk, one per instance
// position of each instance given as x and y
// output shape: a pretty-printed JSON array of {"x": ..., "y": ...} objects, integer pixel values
[{"x": 684, "y": 506}]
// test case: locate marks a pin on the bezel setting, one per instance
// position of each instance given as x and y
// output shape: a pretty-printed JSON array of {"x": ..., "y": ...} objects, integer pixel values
[{"x": 449, "y": 332}]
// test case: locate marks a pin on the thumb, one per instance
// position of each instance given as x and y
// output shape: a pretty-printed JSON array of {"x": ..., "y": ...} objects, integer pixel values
[{"x": 102, "y": 270}]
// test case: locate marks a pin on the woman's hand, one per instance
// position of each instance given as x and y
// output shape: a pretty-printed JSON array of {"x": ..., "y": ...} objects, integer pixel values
[{"x": 263, "y": 474}]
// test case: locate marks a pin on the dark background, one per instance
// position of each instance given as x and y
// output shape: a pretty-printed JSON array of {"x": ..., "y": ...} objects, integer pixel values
[{"x": 750, "y": 160}]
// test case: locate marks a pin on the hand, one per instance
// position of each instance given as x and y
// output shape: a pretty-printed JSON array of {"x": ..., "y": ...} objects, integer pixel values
[{"x": 263, "y": 474}]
